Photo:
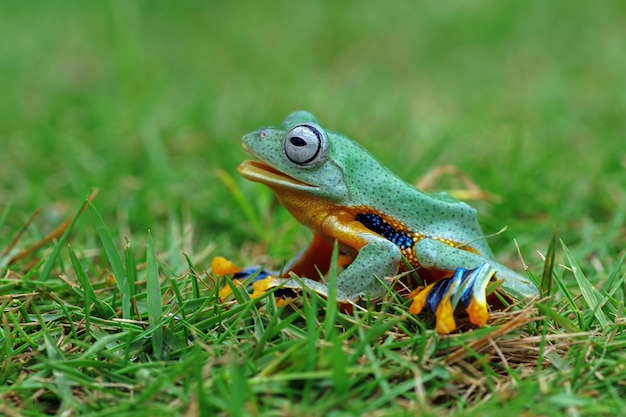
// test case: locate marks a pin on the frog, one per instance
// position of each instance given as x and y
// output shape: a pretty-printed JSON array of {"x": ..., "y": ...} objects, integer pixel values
[{"x": 384, "y": 227}]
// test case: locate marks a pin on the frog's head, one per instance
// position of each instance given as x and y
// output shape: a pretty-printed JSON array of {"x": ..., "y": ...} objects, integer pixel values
[{"x": 298, "y": 156}]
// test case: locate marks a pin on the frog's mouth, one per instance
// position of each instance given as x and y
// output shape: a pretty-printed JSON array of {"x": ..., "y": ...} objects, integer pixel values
[{"x": 259, "y": 171}]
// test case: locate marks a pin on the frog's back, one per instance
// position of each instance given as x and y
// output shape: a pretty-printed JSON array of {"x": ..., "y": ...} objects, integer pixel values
[{"x": 436, "y": 215}]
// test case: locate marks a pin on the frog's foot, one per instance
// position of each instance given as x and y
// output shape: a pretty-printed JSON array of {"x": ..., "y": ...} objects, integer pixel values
[
  {"x": 258, "y": 280},
  {"x": 467, "y": 288}
]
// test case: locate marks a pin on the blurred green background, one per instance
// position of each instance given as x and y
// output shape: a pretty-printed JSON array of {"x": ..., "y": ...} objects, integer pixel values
[{"x": 145, "y": 100}]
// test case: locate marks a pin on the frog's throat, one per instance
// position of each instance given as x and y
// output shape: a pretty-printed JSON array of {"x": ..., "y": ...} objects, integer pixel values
[{"x": 259, "y": 171}]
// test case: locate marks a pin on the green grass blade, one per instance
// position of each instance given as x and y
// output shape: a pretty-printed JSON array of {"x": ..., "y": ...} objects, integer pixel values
[
  {"x": 613, "y": 282},
  {"x": 5, "y": 212},
  {"x": 131, "y": 271},
  {"x": 330, "y": 318},
  {"x": 194, "y": 277},
  {"x": 243, "y": 202},
  {"x": 87, "y": 288},
  {"x": 47, "y": 268},
  {"x": 55, "y": 356},
  {"x": 563, "y": 321},
  {"x": 114, "y": 259},
  {"x": 548, "y": 267},
  {"x": 5, "y": 252},
  {"x": 340, "y": 377},
  {"x": 590, "y": 294},
  {"x": 153, "y": 296},
  {"x": 7, "y": 362}
]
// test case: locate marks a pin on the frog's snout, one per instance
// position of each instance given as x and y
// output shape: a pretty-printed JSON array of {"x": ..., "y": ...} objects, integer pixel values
[{"x": 258, "y": 134}]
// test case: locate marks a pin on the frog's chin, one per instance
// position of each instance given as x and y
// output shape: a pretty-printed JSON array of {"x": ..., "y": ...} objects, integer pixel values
[{"x": 259, "y": 171}]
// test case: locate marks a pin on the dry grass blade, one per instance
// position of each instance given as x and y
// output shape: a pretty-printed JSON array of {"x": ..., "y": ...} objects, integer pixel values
[
  {"x": 472, "y": 190},
  {"x": 514, "y": 320},
  {"x": 19, "y": 234},
  {"x": 55, "y": 234},
  {"x": 519, "y": 349}
]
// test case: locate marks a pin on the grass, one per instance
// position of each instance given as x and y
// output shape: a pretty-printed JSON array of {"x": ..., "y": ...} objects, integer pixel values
[{"x": 116, "y": 311}]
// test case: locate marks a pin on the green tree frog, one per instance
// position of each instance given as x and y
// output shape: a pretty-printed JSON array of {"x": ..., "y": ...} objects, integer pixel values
[{"x": 339, "y": 191}]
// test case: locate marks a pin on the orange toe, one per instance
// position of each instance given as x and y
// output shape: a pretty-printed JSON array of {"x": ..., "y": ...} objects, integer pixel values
[
  {"x": 261, "y": 286},
  {"x": 222, "y": 266},
  {"x": 477, "y": 312},
  {"x": 445, "y": 317},
  {"x": 419, "y": 300}
]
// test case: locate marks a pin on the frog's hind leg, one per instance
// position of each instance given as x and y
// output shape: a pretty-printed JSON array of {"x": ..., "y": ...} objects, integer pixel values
[
  {"x": 467, "y": 288},
  {"x": 310, "y": 262},
  {"x": 255, "y": 278},
  {"x": 259, "y": 281}
]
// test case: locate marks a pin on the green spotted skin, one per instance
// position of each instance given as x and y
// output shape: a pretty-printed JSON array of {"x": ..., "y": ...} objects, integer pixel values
[{"x": 445, "y": 231}]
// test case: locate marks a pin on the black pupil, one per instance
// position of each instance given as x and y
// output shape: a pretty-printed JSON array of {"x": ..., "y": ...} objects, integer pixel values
[{"x": 297, "y": 141}]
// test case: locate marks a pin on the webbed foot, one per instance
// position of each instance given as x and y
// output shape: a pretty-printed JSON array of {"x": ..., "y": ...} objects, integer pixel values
[
  {"x": 467, "y": 288},
  {"x": 259, "y": 280}
]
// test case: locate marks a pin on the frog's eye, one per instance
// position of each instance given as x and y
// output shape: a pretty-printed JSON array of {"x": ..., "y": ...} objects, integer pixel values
[{"x": 305, "y": 145}]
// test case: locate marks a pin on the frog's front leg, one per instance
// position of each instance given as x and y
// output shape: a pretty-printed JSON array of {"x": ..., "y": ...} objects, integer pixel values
[
  {"x": 377, "y": 259},
  {"x": 469, "y": 275}
]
